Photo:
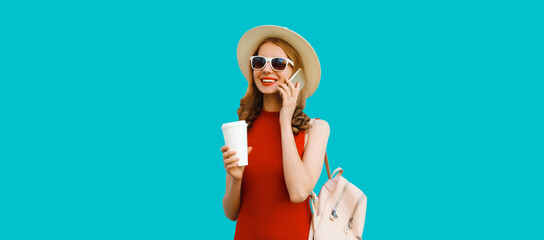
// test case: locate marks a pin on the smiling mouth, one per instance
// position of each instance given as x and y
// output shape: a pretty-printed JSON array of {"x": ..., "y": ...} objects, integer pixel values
[{"x": 268, "y": 80}]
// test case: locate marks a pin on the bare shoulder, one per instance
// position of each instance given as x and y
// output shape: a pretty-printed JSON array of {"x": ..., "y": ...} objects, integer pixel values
[{"x": 320, "y": 126}]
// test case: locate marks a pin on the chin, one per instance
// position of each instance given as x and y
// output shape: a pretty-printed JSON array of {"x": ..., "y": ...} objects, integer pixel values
[
  {"x": 271, "y": 92},
  {"x": 268, "y": 90}
]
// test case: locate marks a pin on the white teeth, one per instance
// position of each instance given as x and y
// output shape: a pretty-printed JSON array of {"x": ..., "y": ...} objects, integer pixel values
[{"x": 268, "y": 80}]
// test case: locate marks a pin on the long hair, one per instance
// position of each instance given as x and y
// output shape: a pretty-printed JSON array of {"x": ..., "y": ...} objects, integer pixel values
[{"x": 251, "y": 104}]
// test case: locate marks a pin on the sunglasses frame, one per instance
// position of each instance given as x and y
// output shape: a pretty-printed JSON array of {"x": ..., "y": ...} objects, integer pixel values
[{"x": 269, "y": 60}]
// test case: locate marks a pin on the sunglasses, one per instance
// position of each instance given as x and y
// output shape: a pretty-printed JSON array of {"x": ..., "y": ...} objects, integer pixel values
[{"x": 277, "y": 63}]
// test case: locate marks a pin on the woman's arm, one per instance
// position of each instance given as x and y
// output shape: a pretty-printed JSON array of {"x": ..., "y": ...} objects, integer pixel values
[
  {"x": 301, "y": 176},
  {"x": 231, "y": 200}
]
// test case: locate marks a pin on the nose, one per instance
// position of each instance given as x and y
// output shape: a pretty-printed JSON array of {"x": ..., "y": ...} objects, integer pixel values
[{"x": 267, "y": 67}]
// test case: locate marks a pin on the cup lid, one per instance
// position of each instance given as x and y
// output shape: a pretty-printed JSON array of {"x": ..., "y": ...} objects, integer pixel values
[{"x": 234, "y": 124}]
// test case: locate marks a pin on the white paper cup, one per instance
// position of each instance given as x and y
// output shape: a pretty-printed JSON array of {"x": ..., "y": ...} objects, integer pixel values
[{"x": 235, "y": 134}]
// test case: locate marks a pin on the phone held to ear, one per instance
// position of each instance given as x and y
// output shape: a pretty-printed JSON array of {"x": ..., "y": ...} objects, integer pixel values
[{"x": 297, "y": 77}]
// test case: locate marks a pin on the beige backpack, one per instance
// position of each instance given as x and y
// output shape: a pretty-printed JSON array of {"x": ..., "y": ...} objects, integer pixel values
[{"x": 340, "y": 209}]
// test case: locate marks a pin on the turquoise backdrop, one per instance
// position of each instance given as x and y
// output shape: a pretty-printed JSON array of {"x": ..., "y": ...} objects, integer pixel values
[{"x": 111, "y": 111}]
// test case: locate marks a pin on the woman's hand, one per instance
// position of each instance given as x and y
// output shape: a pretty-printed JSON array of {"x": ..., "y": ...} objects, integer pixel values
[
  {"x": 289, "y": 93},
  {"x": 231, "y": 162}
]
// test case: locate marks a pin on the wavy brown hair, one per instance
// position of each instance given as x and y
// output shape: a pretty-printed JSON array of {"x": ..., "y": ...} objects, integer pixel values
[{"x": 251, "y": 104}]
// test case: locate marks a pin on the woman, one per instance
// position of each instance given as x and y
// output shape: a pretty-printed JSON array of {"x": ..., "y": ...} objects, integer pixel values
[{"x": 269, "y": 197}]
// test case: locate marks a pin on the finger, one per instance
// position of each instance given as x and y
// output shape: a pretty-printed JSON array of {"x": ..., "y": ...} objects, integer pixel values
[
  {"x": 228, "y": 154},
  {"x": 225, "y": 148},
  {"x": 292, "y": 87},
  {"x": 231, "y": 160},
  {"x": 286, "y": 92},
  {"x": 231, "y": 166},
  {"x": 283, "y": 93},
  {"x": 249, "y": 150},
  {"x": 288, "y": 85},
  {"x": 296, "y": 90}
]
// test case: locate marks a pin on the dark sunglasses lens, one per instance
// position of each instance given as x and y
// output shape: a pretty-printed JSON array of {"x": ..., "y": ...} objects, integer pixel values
[
  {"x": 258, "y": 62},
  {"x": 279, "y": 63}
]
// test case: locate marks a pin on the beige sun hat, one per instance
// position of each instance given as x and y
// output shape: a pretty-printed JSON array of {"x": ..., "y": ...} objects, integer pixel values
[{"x": 253, "y": 38}]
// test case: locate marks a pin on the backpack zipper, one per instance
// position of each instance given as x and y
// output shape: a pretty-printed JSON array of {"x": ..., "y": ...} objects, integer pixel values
[{"x": 334, "y": 216}]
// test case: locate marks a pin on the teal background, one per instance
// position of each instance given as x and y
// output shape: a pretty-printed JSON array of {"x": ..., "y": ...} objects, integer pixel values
[{"x": 111, "y": 114}]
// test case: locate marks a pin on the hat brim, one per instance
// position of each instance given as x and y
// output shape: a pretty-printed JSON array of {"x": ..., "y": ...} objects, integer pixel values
[{"x": 253, "y": 38}]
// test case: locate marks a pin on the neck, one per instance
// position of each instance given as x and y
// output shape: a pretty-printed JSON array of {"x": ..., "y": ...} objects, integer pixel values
[{"x": 272, "y": 102}]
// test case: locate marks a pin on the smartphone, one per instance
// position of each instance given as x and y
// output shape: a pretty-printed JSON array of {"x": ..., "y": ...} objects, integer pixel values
[{"x": 298, "y": 77}]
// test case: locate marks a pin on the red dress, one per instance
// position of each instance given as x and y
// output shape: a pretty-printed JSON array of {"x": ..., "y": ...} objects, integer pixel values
[{"x": 266, "y": 212}]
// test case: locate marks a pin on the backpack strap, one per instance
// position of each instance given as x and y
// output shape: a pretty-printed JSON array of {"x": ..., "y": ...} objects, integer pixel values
[
  {"x": 307, "y": 134},
  {"x": 314, "y": 202},
  {"x": 350, "y": 223},
  {"x": 337, "y": 172}
]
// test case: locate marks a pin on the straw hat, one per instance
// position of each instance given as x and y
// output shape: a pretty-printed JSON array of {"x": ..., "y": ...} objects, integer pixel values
[{"x": 253, "y": 38}]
